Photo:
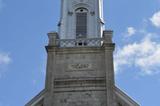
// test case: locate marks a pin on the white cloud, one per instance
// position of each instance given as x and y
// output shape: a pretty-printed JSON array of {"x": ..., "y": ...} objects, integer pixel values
[
  {"x": 4, "y": 59},
  {"x": 130, "y": 31},
  {"x": 144, "y": 55},
  {"x": 155, "y": 19}
]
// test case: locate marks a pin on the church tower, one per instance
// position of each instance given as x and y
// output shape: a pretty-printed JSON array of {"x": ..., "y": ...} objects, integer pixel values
[{"x": 80, "y": 68}]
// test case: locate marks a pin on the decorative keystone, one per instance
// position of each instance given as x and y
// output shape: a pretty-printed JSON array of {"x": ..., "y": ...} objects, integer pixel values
[
  {"x": 107, "y": 36},
  {"x": 52, "y": 38}
]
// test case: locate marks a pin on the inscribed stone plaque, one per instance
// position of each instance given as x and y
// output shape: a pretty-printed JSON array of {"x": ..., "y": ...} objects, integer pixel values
[{"x": 79, "y": 67}]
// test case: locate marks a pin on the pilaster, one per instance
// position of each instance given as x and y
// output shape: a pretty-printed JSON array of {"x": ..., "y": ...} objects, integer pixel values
[
  {"x": 108, "y": 49},
  {"x": 51, "y": 55}
]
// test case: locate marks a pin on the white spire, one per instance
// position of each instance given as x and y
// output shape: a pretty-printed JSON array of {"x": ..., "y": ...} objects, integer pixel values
[{"x": 81, "y": 17}]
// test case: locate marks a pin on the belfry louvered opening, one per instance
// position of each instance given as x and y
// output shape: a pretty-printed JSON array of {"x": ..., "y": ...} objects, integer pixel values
[{"x": 81, "y": 23}]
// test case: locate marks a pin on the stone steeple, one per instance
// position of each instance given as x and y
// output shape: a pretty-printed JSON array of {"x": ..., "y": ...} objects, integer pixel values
[{"x": 80, "y": 68}]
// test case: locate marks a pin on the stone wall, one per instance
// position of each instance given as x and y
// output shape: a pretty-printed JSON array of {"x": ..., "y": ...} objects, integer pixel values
[{"x": 84, "y": 98}]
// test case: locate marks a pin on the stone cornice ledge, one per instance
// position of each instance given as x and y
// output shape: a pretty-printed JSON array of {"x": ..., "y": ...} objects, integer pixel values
[
  {"x": 74, "y": 49},
  {"x": 83, "y": 49}
]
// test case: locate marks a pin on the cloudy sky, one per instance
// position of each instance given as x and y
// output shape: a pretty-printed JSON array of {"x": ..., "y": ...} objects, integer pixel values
[{"x": 23, "y": 28}]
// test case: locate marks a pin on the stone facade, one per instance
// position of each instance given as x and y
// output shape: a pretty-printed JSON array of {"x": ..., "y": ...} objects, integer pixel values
[{"x": 81, "y": 76}]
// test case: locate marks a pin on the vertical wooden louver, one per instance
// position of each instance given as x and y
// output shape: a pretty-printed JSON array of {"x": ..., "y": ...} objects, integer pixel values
[{"x": 81, "y": 25}]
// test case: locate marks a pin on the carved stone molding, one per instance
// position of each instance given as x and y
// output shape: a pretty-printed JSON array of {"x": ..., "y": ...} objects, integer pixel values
[{"x": 79, "y": 82}]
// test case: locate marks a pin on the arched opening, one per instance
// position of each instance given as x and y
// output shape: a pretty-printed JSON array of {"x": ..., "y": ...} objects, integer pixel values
[{"x": 81, "y": 22}]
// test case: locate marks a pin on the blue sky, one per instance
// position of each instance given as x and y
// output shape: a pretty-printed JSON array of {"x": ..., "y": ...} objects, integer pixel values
[{"x": 23, "y": 28}]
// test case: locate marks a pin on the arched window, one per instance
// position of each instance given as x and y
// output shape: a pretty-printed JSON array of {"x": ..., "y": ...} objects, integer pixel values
[{"x": 81, "y": 22}]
